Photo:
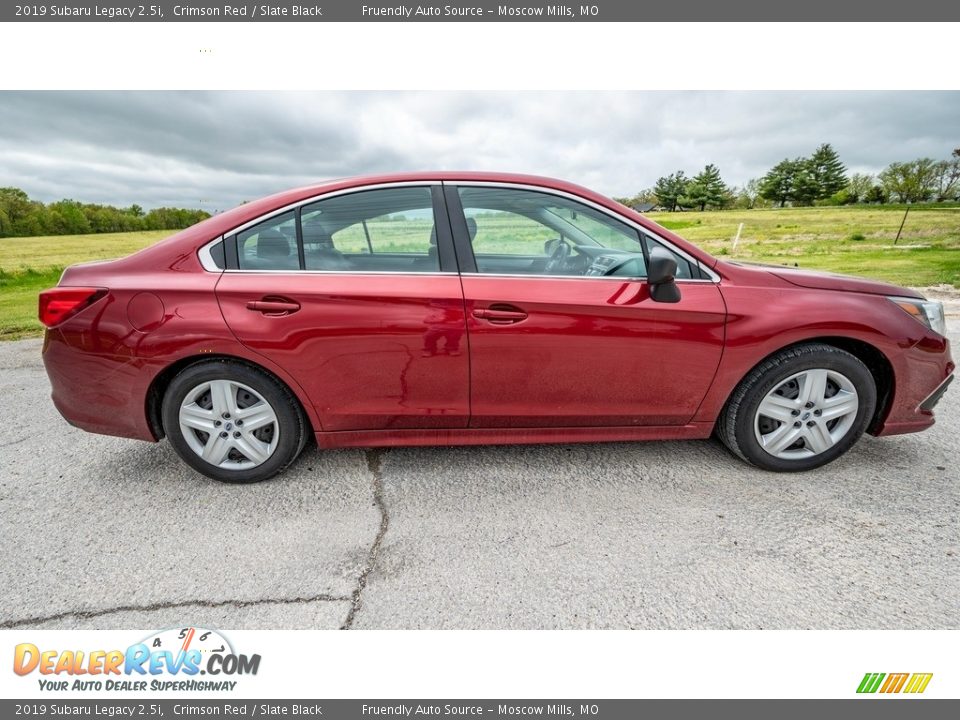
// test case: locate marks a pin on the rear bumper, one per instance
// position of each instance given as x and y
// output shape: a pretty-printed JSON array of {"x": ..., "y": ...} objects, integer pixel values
[{"x": 96, "y": 392}]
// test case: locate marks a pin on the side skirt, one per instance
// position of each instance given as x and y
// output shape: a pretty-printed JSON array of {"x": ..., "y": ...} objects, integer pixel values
[{"x": 510, "y": 436}]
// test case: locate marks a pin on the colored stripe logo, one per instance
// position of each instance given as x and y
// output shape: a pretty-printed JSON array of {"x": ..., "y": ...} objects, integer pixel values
[{"x": 913, "y": 683}]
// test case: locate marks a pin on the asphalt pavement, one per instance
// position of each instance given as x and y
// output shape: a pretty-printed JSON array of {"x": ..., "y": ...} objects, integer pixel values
[{"x": 99, "y": 532}]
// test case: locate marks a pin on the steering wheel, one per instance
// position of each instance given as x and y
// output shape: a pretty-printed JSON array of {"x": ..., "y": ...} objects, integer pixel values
[{"x": 558, "y": 259}]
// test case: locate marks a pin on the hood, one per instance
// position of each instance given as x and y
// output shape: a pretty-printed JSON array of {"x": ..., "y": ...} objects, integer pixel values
[{"x": 834, "y": 281}]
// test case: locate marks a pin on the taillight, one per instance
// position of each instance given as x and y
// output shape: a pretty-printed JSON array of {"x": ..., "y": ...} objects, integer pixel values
[{"x": 60, "y": 303}]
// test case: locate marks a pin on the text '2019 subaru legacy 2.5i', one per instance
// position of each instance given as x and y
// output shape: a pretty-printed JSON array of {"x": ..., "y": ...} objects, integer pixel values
[{"x": 476, "y": 308}]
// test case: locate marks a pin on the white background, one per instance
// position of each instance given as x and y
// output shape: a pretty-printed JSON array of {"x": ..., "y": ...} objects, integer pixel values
[
  {"x": 480, "y": 56},
  {"x": 520, "y": 56}
]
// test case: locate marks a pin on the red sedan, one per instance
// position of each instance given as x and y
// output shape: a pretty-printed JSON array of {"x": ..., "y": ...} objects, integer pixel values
[{"x": 476, "y": 308}]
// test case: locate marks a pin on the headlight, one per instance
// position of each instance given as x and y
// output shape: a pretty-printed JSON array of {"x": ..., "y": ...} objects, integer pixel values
[{"x": 929, "y": 312}]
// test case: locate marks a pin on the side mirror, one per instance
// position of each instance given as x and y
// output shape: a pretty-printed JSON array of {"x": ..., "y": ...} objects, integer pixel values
[{"x": 661, "y": 272}]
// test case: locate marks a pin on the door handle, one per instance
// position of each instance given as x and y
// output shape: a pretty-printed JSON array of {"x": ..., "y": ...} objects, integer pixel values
[
  {"x": 274, "y": 306},
  {"x": 502, "y": 315}
]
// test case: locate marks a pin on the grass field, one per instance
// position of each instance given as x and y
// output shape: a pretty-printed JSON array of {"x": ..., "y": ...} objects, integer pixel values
[
  {"x": 857, "y": 240},
  {"x": 29, "y": 265}
]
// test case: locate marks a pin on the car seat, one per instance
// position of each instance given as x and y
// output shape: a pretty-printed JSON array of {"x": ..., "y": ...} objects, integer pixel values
[{"x": 319, "y": 252}]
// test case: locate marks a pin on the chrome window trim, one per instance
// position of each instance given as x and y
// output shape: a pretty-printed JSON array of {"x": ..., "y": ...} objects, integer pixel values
[
  {"x": 340, "y": 272},
  {"x": 526, "y": 276},
  {"x": 532, "y": 276},
  {"x": 713, "y": 276}
]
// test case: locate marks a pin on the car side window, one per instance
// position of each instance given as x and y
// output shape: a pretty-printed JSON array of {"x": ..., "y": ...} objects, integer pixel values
[
  {"x": 387, "y": 230},
  {"x": 501, "y": 232},
  {"x": 270, "y": 245},
  {"x": 525, "y": 232}
]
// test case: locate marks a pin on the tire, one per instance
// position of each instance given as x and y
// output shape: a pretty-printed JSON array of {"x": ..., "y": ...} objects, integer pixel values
[
  {"x": 779, "y": 403},
  {"x": 263, "y": 434}
]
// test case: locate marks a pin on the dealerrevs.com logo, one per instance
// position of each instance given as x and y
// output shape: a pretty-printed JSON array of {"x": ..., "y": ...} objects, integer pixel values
[
  {"x": 911, "y": 683},
  {"x": 173, "y": 659}
]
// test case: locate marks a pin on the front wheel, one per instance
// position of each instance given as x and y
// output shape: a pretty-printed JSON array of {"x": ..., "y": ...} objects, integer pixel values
[
  {"x": 800, "y": 409},
  {"x": 232, "y": 422}
]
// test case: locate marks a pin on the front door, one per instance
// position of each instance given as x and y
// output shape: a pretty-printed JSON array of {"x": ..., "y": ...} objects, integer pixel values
[{"x": 557, "y": 342}]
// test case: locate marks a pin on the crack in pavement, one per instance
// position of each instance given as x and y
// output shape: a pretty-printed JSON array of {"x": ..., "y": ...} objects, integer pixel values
[
  {"x": 16, "y": 442},
  {"x": 87, "y": 614},
  {"x": 374, "y": 458},
  {"x": 374, "y": 464}
]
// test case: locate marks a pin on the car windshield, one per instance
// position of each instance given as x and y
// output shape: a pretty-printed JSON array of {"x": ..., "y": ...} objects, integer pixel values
[{"x": 603, "y": 233}]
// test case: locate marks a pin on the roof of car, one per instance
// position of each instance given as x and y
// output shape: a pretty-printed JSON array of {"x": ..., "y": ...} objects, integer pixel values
[{"x": 294, "y": 195}]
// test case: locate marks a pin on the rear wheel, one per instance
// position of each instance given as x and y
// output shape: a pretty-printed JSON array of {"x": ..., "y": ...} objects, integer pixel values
[
  {"x": 799, "y": 409},
  {"x": 232, "y": 422}
]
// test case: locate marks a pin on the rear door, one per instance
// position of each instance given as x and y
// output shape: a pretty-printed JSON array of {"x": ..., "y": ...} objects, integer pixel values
[
  {"x": 555, "y": 343},
  {"x": 358, "y": 298}
]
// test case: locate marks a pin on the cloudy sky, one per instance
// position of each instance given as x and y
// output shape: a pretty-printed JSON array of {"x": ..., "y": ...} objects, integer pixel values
[{"x": 216, "y": 149}]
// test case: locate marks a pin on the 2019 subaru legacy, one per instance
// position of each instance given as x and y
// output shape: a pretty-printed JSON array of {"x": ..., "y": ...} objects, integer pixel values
[{"x": 476, "y": 308}]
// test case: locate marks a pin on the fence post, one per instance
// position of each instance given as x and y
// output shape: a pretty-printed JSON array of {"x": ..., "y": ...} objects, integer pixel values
[{"x": 903, "y": 222}]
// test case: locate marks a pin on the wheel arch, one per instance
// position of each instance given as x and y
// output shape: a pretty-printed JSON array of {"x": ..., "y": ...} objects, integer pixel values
[
  {"x": 159, "y": 385},
  {"x": 876, "y": 361}
]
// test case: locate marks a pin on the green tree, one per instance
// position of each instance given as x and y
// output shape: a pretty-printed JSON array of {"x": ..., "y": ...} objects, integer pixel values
[
  {"x": 706, "y": 188},
  {"x": 843, "y": 197},
  {"x": 751, "y": 191},
  {"x": 643, "y": 197},
  {"x": 913, "y": 181},
  {"x": 804, "y": 188},
  {"x": 68, "y": 218},
  {"x": 670, "y": 189},
  {"x": 20, "y": 216},
  {"x": 172, "y": 218},
  {"x": 876, "y": 194},
  {"x": 15, "y": 204},
  {"x": 694, "y": 195},
  {"x": 828, "y": 174},
  {"x": 947, "y": 179},
  {"x": 858, "y": 185},
  {"x": 747, "y": 196},
  {"x": 777, "y": 185}
]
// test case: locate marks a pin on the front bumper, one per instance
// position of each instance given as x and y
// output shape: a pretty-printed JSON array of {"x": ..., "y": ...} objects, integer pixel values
[
  {"x": 922, "y": 375},
  {"x": 933, "y": 398}
]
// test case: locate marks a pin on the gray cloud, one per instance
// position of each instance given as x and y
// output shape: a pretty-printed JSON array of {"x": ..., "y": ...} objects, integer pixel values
[{"x": 216, "y": 149}]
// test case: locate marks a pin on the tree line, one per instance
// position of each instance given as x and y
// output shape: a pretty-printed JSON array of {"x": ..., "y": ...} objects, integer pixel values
[
  {"x": 20, "y": 217},
  {"x": 820, "y": 179}
]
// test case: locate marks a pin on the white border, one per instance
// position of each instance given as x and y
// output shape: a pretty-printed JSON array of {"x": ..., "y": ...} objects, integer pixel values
[
  {"x": 504, "y": 57},
  {"x": 480, "y": 56}
]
